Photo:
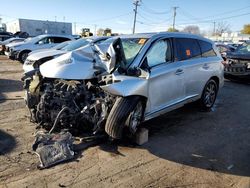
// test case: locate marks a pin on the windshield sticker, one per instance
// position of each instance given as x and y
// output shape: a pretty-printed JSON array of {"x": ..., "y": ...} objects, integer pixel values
[
  {"x": 188, "y": 52},
  {"x": 142, "y": 41}
]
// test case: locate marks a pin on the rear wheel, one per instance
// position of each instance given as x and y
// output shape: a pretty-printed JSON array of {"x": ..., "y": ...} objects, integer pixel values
[
  {"x": 209, "y": 95},
  {"x": 125, "y": 110}
]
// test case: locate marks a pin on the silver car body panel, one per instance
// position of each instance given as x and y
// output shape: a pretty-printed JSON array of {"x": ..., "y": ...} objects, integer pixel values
[{"x": 127, "y": 85}]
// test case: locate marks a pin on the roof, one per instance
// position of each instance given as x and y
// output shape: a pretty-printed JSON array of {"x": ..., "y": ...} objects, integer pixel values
[
  {"x": 55, "y": 35},
  {"x": 164, "y": 34}
]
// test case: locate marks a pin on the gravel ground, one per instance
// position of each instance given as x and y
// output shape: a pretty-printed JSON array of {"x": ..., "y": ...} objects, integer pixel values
[{"x": 186, "y": 148}]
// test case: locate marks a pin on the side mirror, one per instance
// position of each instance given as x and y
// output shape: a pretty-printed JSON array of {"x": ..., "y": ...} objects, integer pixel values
[
  {"x": 138, "y": 72},
  {"x": 145, "y": 65}
]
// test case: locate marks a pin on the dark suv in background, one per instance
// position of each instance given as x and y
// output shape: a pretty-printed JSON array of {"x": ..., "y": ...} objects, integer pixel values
[{"x": 238, "y": 63}]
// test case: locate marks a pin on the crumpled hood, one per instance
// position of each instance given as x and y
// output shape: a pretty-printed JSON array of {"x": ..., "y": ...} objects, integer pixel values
[
  {"x": 82, "y": 63},
  {"x": 237, "y": 55},
  {"x": 44, "y": 53}
]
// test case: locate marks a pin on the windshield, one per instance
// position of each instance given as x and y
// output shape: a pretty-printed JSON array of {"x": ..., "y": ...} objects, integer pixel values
[
  {"x": 131, "y": 47},
  {"x": 34, "y": 39},
  {"x": 244, "y": 48},
  {"x": 76, "y": 44}
]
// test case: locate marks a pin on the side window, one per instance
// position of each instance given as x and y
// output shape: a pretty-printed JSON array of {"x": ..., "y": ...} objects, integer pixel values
[
  {"x": 159, "y": 53},
  {"x": 60, "y": 39},
  {"x": 207, "y": 49},
  {"x": 187, "y": 49},
  {"x": 43, "y": 41}
]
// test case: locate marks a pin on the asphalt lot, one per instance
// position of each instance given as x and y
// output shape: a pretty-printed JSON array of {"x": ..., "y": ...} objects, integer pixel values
[{"x": 186, "y": 148}]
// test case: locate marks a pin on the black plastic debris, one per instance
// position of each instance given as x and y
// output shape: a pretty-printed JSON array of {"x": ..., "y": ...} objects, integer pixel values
[{"x": 53, "y": 148}]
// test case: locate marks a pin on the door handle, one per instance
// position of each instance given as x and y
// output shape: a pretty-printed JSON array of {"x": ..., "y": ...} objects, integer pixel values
[
  {"x": 205, "y": 66},
  {"x": 179, "y": 71}
]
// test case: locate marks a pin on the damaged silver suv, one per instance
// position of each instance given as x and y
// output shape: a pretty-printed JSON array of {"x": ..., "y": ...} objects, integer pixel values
[{"x": 124, "y": 81}]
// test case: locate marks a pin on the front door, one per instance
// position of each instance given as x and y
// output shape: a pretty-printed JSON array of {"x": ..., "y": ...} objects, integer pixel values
[{"x": 165, "y": 84}]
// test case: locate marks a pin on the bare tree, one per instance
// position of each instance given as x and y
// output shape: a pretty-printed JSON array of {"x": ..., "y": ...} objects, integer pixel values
[
  {"x": 222, "y": 27},
  {"x": 192, "y": 29}
]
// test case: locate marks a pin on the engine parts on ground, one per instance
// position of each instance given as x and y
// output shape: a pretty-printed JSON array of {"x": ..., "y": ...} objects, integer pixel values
[{"x": 53, "y": 148}]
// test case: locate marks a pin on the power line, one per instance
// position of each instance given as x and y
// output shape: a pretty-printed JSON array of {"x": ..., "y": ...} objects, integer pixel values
[
  {"x": 217, "y": 19},
  {"x": 151, "y": 11},
  {"x": 153, "y": 21},
  {"x": 227, "y": 12},
  {"x": 187, "y": 14}
]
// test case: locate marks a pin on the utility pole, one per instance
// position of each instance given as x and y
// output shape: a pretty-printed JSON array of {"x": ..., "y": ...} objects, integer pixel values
[
  {"x": 214, "y": 28},
  {"x": 95, "y": 29},
  {"x": 136, "y": 3},
  {"x": 174, "y": 17},
  {"x": 75, "y": 27}
]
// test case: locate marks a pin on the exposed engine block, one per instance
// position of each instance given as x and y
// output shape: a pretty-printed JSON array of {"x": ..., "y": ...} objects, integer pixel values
[{"x": 73, "y": 105}]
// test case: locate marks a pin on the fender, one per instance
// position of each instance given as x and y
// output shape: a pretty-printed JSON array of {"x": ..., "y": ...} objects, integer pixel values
[{"x": 127, "y": 85}]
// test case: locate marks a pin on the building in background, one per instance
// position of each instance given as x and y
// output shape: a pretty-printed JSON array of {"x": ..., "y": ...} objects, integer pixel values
[
  {"x": 38, "y": 27},
  {"x": 234, "y": 37}
]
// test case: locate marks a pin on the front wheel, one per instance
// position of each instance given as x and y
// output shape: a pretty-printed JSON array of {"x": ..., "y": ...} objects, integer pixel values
[
  {"x": 125, "y": 110},
  {"x": 209, "y": 95},
  {"x": 23, "y": 57}
]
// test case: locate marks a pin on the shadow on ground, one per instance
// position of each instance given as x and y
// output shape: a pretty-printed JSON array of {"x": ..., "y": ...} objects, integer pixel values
[
  {"x": 217, "y": 140},
  {"x": 7, "y": 142},
  {"x": 7, "y": 85}
]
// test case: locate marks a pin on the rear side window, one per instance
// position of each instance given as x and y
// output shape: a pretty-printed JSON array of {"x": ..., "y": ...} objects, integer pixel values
[
  {"x": 187, "y": 49},
  {"x": 207, "y": 49}
]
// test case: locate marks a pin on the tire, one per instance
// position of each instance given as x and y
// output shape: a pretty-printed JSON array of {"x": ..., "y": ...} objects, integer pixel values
[
  {"x": 23, "y": 56},
  {"x": 119, "y": 115},
  {"x": 209, "y": 95}
]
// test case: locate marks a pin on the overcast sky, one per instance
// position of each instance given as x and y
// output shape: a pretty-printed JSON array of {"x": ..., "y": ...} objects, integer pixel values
[{"x": 153, "y": 15}]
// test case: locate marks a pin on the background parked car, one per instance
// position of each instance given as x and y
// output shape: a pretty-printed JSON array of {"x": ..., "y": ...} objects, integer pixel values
[
  {"x": 20, "y": 51},
  {"x": 8, "y": 41},
  {"x": 238, "y": 63},
  {"x": 5, "y": 35},
  {"x": 56, "y": 47},
  {"x": 34, "y": 60}
]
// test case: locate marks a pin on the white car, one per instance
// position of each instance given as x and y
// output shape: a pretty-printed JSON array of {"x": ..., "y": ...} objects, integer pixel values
[
  {"x": 20, "y": 51},
  {"x": 9, "y": 41},
  {"x": 35, "y": 59}
]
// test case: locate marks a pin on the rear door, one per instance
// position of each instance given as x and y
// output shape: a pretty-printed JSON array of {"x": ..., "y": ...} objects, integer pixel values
[{"x": 196, "y": 66}]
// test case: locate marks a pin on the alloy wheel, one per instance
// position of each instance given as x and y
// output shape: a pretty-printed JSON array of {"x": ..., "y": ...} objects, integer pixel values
[
  {"x": 135, "y": 117},
  {"x": 210, "y": 94}
]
